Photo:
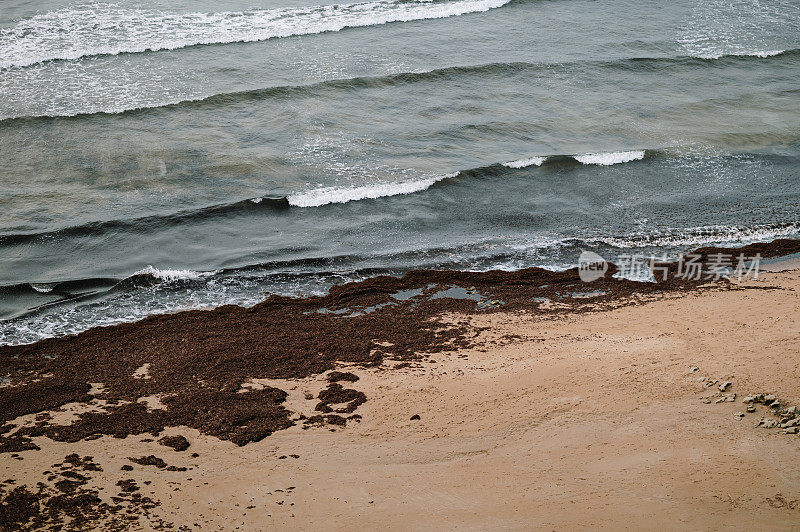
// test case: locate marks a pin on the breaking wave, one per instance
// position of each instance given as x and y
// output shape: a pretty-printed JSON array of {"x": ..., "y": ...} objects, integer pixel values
[
  {"x": 600, "y": 159},
  {"x": 168, "y": 275},
  {"x": 327, "y": 195},
  {"x": 719, "y": 55},
  {"x": 608, "y": 159},
  {"x": 524, "y": 163}
]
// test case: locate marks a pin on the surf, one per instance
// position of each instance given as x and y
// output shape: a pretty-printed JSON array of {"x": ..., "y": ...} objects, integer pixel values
[{"x": 104, "y": 29}]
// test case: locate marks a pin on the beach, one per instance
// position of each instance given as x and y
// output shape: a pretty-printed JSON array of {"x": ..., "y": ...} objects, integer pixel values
[{"x": 630, "y": 416}]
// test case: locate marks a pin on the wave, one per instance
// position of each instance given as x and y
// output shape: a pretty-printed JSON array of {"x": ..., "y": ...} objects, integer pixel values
[
  {"x": 327, "y": 195},
  {"x": 42, "y": 288},
  {"x": 59, "y": 288},
  {"x": 169, "y": 275},
  {"x": 151, "y": 276},
  {"x": 87, "y": 288},
  {"x": 599, "y": 159},
  {"x": 524, "y": 163},
  {"x": 719, "y": 55},
  {"x": 283, "y": 91},
  {"x": 611, "y": 158},
  {"x": 32, "y": 298},
  {"x": 319, "y": 197},
  {"x": 400, "y": 79},
  {"x": 106, "y": 29}
]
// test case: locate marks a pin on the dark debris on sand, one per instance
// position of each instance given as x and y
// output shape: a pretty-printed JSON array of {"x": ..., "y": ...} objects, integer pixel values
[
  {"x": 338, "y": 376},
  {"x": 335, "y": 393},
  {"x": 69, "y": 504},
  {"x": 150, "y": 460},
  {"x": 197, "y": 361},
  {"x": 179, "y": 443}
]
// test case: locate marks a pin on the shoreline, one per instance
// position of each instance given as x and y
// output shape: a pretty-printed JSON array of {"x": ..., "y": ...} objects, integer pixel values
[{"x": 492, "y": 378}]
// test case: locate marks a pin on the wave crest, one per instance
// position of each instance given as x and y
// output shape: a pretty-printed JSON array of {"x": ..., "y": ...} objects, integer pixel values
[
  {"x": 524, "y": 163},
  {"x": 611, "y": 158},
  {"x": 324, "y": 196},
  {"x": 762, "y": 54},
  {"x": 327, "y": 195},
  {"x": 599, "y": 158},
  {"x": 170, "y": 275}
]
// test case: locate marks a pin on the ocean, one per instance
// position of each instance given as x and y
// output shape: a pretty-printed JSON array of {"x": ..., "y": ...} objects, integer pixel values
[{"x": 159, "y": 156}]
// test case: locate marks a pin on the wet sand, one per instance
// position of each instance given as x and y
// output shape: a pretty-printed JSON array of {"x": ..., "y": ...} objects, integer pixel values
[{"x": 615, "y": 418}]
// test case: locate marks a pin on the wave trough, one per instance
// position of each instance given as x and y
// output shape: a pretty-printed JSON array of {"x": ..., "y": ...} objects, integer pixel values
[{"x": 105, "y": 29}]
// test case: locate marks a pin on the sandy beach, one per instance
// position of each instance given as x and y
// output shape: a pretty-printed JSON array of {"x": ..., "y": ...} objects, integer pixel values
[{"x": 627, "y": 418}]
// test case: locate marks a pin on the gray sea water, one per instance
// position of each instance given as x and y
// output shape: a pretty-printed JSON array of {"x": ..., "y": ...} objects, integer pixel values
[{"x": 158, "y": 155}]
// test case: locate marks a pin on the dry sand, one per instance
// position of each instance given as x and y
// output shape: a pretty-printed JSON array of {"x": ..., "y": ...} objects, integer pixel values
[{"x": 586, "y": 421}]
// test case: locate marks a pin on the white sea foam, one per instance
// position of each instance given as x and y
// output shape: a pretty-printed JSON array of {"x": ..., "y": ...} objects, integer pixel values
[
  {"x": 719, "y": 55},
  {"x": 703, "y": 235},
  {"x": 768, "y": 53},
  {"x": 522, "y": 163},
  {"x": 737, "y": 28},
  {"x": 607, "y": 159},
  {"x": 172, "y": 275},
  {"x": 324, "y": 196},
  {"x": 106, "y": 29},
  {"x": 42, "y": 288}
]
